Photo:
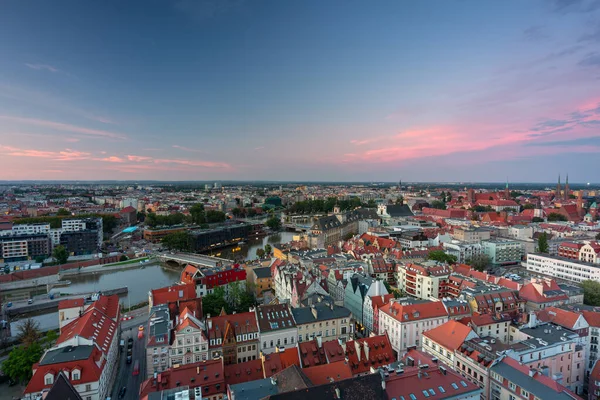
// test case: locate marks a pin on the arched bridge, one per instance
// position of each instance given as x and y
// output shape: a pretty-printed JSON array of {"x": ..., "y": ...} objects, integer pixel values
[{"x": 199, "y": 260}]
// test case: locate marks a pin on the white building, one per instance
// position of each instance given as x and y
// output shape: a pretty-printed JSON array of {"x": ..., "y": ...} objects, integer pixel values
[
  {"x": 564, "y": 268},
  {"x": 277, "y": 327},
  {"x": 463, "y": 251}
]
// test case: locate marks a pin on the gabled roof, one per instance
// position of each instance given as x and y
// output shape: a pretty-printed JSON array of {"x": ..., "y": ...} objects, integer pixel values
[
  {"x": 450, "y": 334},
  {"x": 592, "y": 318},
  {"x": 244, "y": 372},
  {"x": 71, "y": 303},
  {"x": 327, "y": 373},
  {"x": 62, "y": 389},
  {"x": 566, "y": 319},
  {"x": 173, "y": 293},
  {"x": 414, "y": 311}
]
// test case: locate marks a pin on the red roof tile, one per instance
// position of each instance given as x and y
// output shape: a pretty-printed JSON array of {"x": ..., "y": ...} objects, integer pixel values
[
  {"x": 449, "y": 335},
  {"x": 328, "y": 373},
  {"x": 70, "y": 303}
]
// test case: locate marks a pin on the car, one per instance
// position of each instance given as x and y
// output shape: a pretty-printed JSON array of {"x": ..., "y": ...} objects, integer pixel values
[
  {"x": 30, "y": 301},
  {"x": 129, "y": 359},
  {"x": 141, "y": 328},
  {"x": 9, "y": 304},
  {"x": 130, "y": 340},
  {"x": 122, "y": 392}
]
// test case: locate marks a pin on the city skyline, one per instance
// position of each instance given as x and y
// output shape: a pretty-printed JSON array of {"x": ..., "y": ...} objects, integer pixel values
[{"x": 280, "y": 91}]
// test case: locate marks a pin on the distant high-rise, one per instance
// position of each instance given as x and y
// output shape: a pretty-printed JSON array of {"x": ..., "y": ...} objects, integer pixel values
[{"x": 557, "y": 193}]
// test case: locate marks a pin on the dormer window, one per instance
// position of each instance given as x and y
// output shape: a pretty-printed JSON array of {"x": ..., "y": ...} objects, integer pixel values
[
  {"x": 76, "y": 374},
  {"x": 49, "y": 379}
]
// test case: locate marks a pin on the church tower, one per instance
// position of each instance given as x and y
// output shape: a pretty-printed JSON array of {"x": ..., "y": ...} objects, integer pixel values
[
  {"x": 506, "y": 191},
  {"x": 566, "y": 195},
  {"x": 557, "y": 193}
]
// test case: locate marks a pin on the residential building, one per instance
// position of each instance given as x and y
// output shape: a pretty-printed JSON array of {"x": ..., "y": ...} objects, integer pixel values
[
  {"x": 405, "y": 320},
  {"x": 463, "y": 251},
  {"x": 569, "y": 250},
  {"x": 62, "y": 389},
  {"x": 492, "y": 325},
  {"x": 593, "y": 320},
  {"x": 170, "y": 294},
  {"x": 364, "y": 355},
  {"x": 261, "y": 281},
  {"x": 158, "y": 340},
  {"x": 503, "y": 251},
  {"x": 471, "y": 235},
  {"x": 357, "y": 289},
  {"x": 542, "y": 293},
  {"x": 69, "y": 310},
  {"x": 325, "y": 320},
  {"x": 234, "y": 337},
  {"x": 442, "y": 341},
  {"x": 563, "y": 268},
  {"x": 594, "y": 382},
  {"x": 473, "y": 360},
  {"x": 277, "y": 327},
  {"x": 590, "y": 253},
  {"x": 288, "y": 380},
  {"x": 190, "y": 344},
  {"x": 424, "y": 280},
  {"x": 24, "y": 247},
  {"x": 511, "y": 380}
]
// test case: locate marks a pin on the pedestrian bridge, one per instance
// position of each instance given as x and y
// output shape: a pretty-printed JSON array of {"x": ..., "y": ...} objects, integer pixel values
[{"x": 199, "y": 260}]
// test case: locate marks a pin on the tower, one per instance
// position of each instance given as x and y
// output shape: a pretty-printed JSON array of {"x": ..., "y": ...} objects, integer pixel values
[
  {"x": 557, "y": 193},
  {"x": 471, "y": 196},
  {"x": 506, "y": 191},
  {"x": 580, "y": 202},
  {"x": 566, "y": 195}
]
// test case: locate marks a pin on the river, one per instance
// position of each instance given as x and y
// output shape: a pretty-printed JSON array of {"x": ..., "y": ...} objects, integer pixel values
[{"x": 248, "y": 250}]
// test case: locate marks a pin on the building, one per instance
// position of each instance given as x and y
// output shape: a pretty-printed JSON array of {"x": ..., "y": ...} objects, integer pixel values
[
  {"x": 511, "y": 380},
  {"x": 473, "y": 360},
  {"x": 503, "y": 251},
  {"x": 92, "y": 224},
  {"x": 471, "y": 235},
  {"x": 324, "y": 320},
  {"x": 190, "y": 344},
  {"x": 206, "y": 239},
  {"x": 563, "y": 268},
  {"x": 425, "y": 280},
  {"x": 234, "y": 337},
  {"x": 590, "y": 253},
  {"x": 80, "y": 243},
  {"x": 158, "y": 340},
  {"x": 261, "y": 280},
  {"x": 594, "y": 382},
  {"x": 364, "y": 355},
  {"x": 69, "y": 310},
  {"x": 206, "y": 379},
  {"x": 357, "y": 289},
  {"x": 443, "y": 341},
  {"x": 492, "y": 325},
  {"x": 24, "y": 247},
  {"x": 62, "y": 389},
  {"x": 277, "y": 327},
  {"x": 129, "y": 215},
  {"x": 155, "y": 235},
  {"x": 405, "y": 320},
  {"x": 463, "y": 251},
  {"x": 569, "y": 250},
  {"x": 171, "y": 294},
  {"x": 86, "y": 350}
]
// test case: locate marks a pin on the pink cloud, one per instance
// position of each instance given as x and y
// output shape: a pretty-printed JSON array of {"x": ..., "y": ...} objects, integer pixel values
[
  {"x": 64, "y": 127},
  {"x": 138, "y": 158},
  {"x": 203, "y": 164},
  {"x": 63, "y": 155},
  {"x": 112, "y": 159}
]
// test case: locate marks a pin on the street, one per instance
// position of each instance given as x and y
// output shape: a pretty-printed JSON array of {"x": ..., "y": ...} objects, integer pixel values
[{"x": 124, "y": 376}]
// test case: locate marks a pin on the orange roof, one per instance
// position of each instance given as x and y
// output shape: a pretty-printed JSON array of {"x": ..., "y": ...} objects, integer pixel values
[
  {"x": 558, "y": 316},
  {"x": 70, "y": 303},
  {"x": 173, "y": 293},
  {"x": 592, "y": 318},
  {"x": 450, "y": 334},
  {"x": 244, "y": 372},
  {"x": 405, "y": 312},
  {"x": 327, "y": 373},
  {"x": 278, "y": 361}
]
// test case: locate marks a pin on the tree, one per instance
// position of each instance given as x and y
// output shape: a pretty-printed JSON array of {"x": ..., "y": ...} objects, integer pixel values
[
  {"x": 20, "y": 360},
  {"x": 543, "y": 243},
  {"x": 268, "y": 249},
  {"x": 214, "y": 216},
  {"x": 348, "y": 236},
  {"x": 123, "y": 258},
  {"x": 479, "y": 262},
  {"x": 60, "y": 254},
  {"x": 528, "y": 206},
  {"x": 371, "y": 204},
  {"x": 260, "y": 253},
  {"x": 556, "y": 217},
  {"x": 181, "y": 241},
  {"x": 213, "y": 303},
  {"x": 591, "y": 292},
  {"x": 63, "y": 212},
  {"x": 440, "y": 205},
  {"x": 29, "y": 332},
  {"x": 274, "y": 223},
  {"x": 537, "y": 219},
  {"x": 441, "y": 256},
  {"x": 400, "y": 200}
]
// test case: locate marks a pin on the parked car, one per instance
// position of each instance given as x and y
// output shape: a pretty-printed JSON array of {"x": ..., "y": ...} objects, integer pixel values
[
  {"x": 129, "y": 359},
  {"x": 30, "y": 301},
  {"x": 122, "y": 392}
]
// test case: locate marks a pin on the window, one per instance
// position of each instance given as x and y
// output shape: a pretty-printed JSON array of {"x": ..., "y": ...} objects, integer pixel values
[
  {"x": 525, "y": 393},
  {"x": 75, "y": 375},
  {"x": 512, "y": 386},
  {"x": 88, "y": 388},
  {"x": 49, "y": 380}
]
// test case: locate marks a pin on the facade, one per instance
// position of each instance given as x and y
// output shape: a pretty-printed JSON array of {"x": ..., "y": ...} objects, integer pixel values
[
  {"x": 357, "y": 289},
  {"x": 471, "y": 235},
  {"x": 69, "y": 310},
  {"x": 324, "y": 320},
  {"x": 190, "y": 344},
  {"x": 569, "y": 250},
  {"x": 473, "y": 359},
  {"x": 590, "y": 253},
  {"x": 492, "y": 325},
  {"x": 425, "y": 280},
  {"x": 24, "y": 246},
  {"x": 80, "y": 242},
  {"x": 503, "y": 251},
  {"x": 277, "y": 327},
  {"x": 158, "y": 340},
  {"x": 405, "y": 320},
  {"x": 262, "y": 280},
  {"x": 234, "y": 337},
  {"x": 463, "y": 251},
  {"x": 563, "y": 268}
]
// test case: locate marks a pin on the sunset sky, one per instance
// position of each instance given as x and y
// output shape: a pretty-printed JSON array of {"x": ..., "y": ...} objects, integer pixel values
[{"x": 300, "y": 90}]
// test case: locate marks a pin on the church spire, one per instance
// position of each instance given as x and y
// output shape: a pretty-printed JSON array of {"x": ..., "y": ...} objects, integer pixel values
[
  {"x": 566, "y": 195},
  {"x": 557, "y": 193}
]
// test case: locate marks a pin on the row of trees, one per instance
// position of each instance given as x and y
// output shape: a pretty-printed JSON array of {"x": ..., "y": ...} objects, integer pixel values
[
  {"x": 180, "y": 241},
  {"x": 33, "y": 344},
  {"x": 441, "y": 256},
  {"x": 198, "y": 216},
  {"x": 326, "y": 206}
]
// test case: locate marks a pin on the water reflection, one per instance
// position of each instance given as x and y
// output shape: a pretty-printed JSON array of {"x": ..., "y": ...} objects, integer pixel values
[
  {"x": 247, "y": 251},
  {"x": 139, "y": 281}
]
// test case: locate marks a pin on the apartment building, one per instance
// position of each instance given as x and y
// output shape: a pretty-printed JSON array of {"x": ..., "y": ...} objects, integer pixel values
[
  {"x": 471, "y": 235},
  {"x": 563, "y": 268},
  {"x": 503, "y": 251},
  {"x": 357, "y": 289},
  {"x": 463, "y": 251},
  {"x": 325, "y": 320},
  {"x": 235, "y": 337},
  {"x": 190, "y": 343},
  {"x": 443, "y": 341},
  {"x": 424, "y": 280},
  {"x": 404, "y": 320},
  {"x": 492, "y": 325},
  {"x": 158, "y": 340},
  {"x": 277, "y": 327},
  {"x": 473, "y": 359}
]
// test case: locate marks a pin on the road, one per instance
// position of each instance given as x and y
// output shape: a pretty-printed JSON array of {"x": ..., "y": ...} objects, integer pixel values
[{"x": 125, "y": 375}]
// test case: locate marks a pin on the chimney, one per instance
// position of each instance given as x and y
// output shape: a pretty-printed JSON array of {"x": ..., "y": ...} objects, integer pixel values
[
  {"x": 209, "y": 322},
  {"x": 357, "y": 348},
  {"x": 531, "y": 372},
  {"x": 313, "y": 309},
  {"x": 320, "y": 341},
  {"x": 366, "y": 345},
  {"x": 342, "y": 344}
]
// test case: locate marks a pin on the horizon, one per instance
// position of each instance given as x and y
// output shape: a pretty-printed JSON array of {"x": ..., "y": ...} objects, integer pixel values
[{"x": 268, "y": 91}]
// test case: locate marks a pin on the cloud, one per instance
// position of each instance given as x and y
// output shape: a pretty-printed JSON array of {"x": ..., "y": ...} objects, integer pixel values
[
  {"x": 193, "y": 163},
  {"x": 590, "y": 60},
  {"x": 63, "y": 155},
  {"x": 593, "y": 36},
  {"x": 138, "y": 158},
  {"x": 574, "y": 6},
  {"x": 40, "y": 67},
  {"x": 536, "y": 33},
  {"x": 64, "y": 127},
  {"x": 112, "y": 159},
  {"x": 176, "y": 146}
]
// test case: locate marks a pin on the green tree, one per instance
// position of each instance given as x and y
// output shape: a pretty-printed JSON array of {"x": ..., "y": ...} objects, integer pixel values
[
  {"x": 214, "y": 216},
  {"x": 441, "y": 256},
  {"x": 123, "y": 258},
  {"x": 237, "y": 212},
  {"x": 371, "y": 204},
  {"x": 556, "y": 217},
  {"x": 63, "y": 212},
  {"x": 29, "y": 332},
  {"x": 268, "y": 249},
  {"x": 181, "y": 241},
  {"x": 260, "y": 253},
  {"x": 20, "y": 360},
  {"x": 213, "y": 303},
  {"x": 440, "y": 205},
  {"x": 543, "y": 243},
  {"x": 348, "y": 236},
  {"x": 591, "y": 292},
  {"x": 537, "y": 219},
  {"x": 60, "y": 254},
  {"x": 479, "y": 262},
  {"x": 400, "y": 200},
  {"x": 528, "y": 206},
  {"x": 274, "y": 223}
]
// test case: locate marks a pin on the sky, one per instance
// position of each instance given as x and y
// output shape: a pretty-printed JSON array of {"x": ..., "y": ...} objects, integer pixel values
[{"x": 311, "y": 90}]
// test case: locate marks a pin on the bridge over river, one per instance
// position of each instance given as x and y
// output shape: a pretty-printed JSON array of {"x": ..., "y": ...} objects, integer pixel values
[{"x": 199, "y": 260}]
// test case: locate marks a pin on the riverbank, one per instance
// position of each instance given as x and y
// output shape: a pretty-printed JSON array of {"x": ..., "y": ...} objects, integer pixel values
[{"x": 102, "y": 268}]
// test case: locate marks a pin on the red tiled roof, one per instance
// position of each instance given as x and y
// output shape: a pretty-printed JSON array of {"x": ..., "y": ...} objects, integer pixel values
[
  {"x": 242, "y": 323},
  {"x": 327, "y": 373},
  {"x": 530, "y": 293},
  {"x": 449, "y": 335},
  {"x": 70, "y": 303},
  {"x": 244, "y": 372},
  {"x": 380, "y": 353},
  {"x": 278, "y": 361},
  {"x": 592, "y": 318},
  {"x": 414, "y": 312},
  {"x": 566, "y": 319},
  {"x": 173, "y": 293},
  {"x": 128, "y": 209},
  {"x": 541, "y": 378}
]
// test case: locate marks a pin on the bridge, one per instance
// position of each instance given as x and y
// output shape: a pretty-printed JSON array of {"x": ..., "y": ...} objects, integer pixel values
[
  {"x": 199, "y": 260},
  {"x": 296, "y": 227}
]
